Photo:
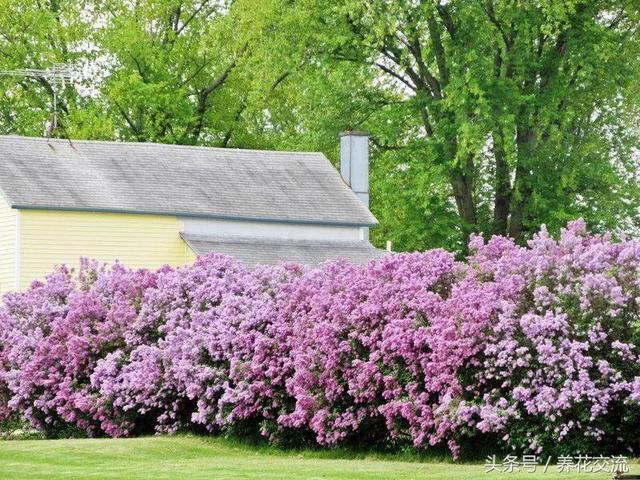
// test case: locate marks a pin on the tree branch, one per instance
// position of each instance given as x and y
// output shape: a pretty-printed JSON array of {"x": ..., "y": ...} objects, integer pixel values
[
  {"x": 396, "y": 75},
  {"x": 139, "y": 68},
  {"x": 438, "y": 49},
  {"x": 447, "y": 20},
  {"x": 393, "y": 54},
  {"x": 131, "y": 123},
  {"x": 491, "y": 15},
  {"x": 203, "y": 96},
  {"x": 218, "y": 82},
  {"x": 195, "y": 13},
  {"x": 413, "y": 45},
  {"x": 243, "y": 107},
  {"x": 383, "y": 146}
]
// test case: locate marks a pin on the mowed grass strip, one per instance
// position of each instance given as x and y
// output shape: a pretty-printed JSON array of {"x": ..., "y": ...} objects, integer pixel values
[{"x": 192, "y": 457}]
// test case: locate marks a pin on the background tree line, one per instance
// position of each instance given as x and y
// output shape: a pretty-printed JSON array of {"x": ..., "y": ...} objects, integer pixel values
[{"x": 486, "y": 116}]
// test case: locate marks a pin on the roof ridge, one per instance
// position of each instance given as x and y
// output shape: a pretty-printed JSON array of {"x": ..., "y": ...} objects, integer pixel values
[{"x": 172, "y": 145}]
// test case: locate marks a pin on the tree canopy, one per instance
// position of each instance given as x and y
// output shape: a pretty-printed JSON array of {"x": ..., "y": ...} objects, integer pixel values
[{"x": 489, "y": 116}]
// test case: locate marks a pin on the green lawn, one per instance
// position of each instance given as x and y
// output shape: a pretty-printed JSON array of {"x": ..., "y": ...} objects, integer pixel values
[{"x": 190, "y": 457}]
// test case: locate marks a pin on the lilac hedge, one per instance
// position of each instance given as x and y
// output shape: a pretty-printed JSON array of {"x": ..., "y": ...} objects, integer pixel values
[{"x": 532, "y": 348}]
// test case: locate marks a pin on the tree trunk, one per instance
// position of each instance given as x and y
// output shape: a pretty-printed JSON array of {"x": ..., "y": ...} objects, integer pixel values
[
  {"x": 502, "y": 187},
  {"x": 522, "y": 189},
  {"x": 462, "y": 184},
  {"x": 517, "y": 211}
]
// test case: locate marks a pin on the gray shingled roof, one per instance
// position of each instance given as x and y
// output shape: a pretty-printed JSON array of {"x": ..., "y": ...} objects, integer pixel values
[
  {"x": 271, "y": 251},
  {"x": 176, "y": 180}
]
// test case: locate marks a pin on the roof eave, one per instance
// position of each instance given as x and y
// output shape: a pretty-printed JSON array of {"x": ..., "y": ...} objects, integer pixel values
[{"x": 197, "y": 215}]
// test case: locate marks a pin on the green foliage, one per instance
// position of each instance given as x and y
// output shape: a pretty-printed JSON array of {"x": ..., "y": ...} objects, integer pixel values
[
  {"x": 14, "y": 428},
  {"x": 513, "y": 115},
  {"x": 486, "y": 115}
]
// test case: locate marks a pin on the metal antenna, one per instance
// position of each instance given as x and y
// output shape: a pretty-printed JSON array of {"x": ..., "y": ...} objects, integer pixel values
[{"x": 57, "y": 76}]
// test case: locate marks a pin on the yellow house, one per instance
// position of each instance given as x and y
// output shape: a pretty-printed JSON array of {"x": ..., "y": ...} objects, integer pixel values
[{"x": 146, "y": 205}]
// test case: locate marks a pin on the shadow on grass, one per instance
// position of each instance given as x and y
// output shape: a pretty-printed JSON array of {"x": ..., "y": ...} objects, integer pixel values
[
  {"x": 299, "y": 445},
  {"x": 471, "y": 454}
]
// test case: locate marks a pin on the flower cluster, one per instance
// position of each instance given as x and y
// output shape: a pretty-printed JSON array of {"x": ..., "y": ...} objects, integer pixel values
[
  {"x": 534, "y": 347},
  {"x": 560, "y": 369}
]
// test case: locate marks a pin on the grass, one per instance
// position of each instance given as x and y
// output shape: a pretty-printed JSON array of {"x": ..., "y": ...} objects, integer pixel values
[{"x": 194, "y": 458}]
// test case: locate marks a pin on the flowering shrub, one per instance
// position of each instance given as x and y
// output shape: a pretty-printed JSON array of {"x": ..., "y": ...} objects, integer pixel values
[
  {"x": 53, "y": 336},
  {"x": 535, "y": 347},
  {"x": 376, "y": 349},
  {"x": 560, "y": 369},
  {"x": 200, "y": 323}
]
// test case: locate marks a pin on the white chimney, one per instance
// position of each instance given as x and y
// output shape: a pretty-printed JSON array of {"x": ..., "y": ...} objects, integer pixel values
[{"x": 354, "y": 163}]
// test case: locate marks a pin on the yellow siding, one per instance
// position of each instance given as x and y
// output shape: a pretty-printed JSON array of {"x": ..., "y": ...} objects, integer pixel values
[
  {"x": 191, "y": 255},
  {"x": 49, "y": 238},
  {"x": 8, "y": 219}
]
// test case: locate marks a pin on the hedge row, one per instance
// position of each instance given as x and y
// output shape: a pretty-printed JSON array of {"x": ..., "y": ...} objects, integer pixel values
[{"x": 532, "y": 348}]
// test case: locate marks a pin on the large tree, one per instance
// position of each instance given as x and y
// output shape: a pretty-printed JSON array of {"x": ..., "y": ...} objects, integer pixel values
[{"x": 515, "y": 112}]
